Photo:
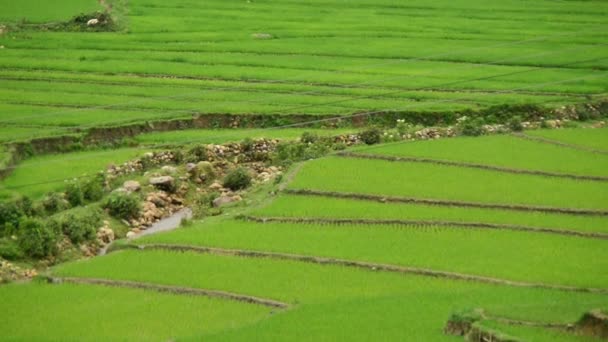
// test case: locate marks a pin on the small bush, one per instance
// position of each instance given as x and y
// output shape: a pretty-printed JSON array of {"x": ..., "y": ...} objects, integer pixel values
[
  {"x": 196, "y": 153},
  {"x": 74, "y": 194},
  {"x": 309, "y": 138},
  {"x": 80, "y": 225},
  {"x": 371, "y": 136},
  {"x": 54, "y": 202},
  {"x": 123, "y": 205},
  {"x": 472, "y": 128},
  {"x": 10, "y": 215},
  {"x": 92, "y": 190},
  {"x": 515, "y": 124},
  {"x": 10, "y": 250},
  {"x": 37, "y": 239},
  {"x": 237, "y": 179}
]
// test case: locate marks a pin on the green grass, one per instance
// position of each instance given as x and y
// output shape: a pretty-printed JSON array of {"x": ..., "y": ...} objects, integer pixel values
[
  {"x": 362, "y": 303},
  {"x": 326, "y": 58},
  {"x": 503, "y": 254},
  {"x": 41, "y": 12},
  {"x": 319, "y": 207},
  {"x": 504, "y": 151},
  {"x": 219, "y": 136},
  {"x": 40, "y": 312},
  {"x": 593, "y": 138},
  {"x": 38, "y": 175},
  {"x": 448, "y": 182}
]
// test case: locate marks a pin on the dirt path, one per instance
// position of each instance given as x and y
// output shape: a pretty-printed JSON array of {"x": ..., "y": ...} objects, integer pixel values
[
  {"x": 450, "y": 224},
  {"x": 367, "y": 266},
  {"x": 559, "y": 143},
  {"x": 170, "y": 289},
  {"x": 472, "y": 165},
  {"x": 392, "y": 199}
]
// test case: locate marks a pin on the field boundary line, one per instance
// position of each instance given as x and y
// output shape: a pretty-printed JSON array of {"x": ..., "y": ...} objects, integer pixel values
[
  {"x": 470, "y": 165},
  {"x": 559, "y": 143},
  {"x": 364, "y": 265},
  {"x": 424, "y": 223},
  {"x": 440, "y": 202},
  {"x": 170, "y": 289}
]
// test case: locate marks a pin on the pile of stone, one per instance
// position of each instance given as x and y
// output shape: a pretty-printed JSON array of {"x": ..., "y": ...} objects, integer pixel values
[
  {"x": 10, "y": 272},
  {"x": 434, "y": 133},
  {"x": 157, "y": 205}
]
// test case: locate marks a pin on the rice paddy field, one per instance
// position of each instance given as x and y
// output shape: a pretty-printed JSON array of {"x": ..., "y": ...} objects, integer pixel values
[{"x": 384, "y": 242}]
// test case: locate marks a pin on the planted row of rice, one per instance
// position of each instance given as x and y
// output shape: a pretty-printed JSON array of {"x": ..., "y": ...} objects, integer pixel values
[
  {"x": 41, "y": 174},
  {"x": 294, "y": 206},
  {"x": 387, "y": 178},
  {"x": 591, "y": 138},
  {"x": 504, "y": 254},
  {"x": 504, "y": 151},
  {"x": 300, "y": 283},
  {"x": 41, "y": 312}
]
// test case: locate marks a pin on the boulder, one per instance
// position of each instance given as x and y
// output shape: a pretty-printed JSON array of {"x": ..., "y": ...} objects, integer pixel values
[
  {"x": 93, "y": 22},
  {"x": 131, "y": 235},
  {"x": 216, "y": 186},
  {"x": 163, "y": 182},
  {"x": 169, "y": 169},
  {"x": 131, "y": 186},
  {"x": 222, "y": 200}
]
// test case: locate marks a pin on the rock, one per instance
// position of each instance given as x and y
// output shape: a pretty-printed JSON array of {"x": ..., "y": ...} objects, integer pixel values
[
  {"x": 222, "y": 200},
  {"x": 105, "y": 235},
  {"x": 237, "y": 198},
  {"x": 216, "y": 186},
  {"x": 131, "y": 186},
  {"x": 131, "y": 235},
  {"x": 262, "y": 36},
  {"x": 169, "y": 169},
  {"x": 163, "y": 182},
  {"x": 92, "y": 22},
  {"x": 190, "y": 167}
]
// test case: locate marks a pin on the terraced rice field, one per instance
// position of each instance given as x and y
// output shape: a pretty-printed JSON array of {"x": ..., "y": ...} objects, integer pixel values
[
  {"x": 300, "y": 273},
  {"x": 289, "y": 57}
]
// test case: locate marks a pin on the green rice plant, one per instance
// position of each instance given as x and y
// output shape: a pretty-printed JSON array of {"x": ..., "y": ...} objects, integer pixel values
[
  {"x": 58, "y": 312},
  {"x": 448, "y": 183},
  {"x": 332, "y": 208},
  {"x": 503, "y": 151},
  {"x": 504, "y": 254},
  {"x": 591, "y": 138}
]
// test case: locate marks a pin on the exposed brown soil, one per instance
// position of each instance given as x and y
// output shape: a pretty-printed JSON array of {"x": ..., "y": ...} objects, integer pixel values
[
  {"x": 365, "y": 265},
  {"x": 593, "y": 323},
  {"x": 393, "y": 199},
  {"x": 472, "y": 165},
  {"x": 171, "y": 289},
  {"x": 559, "y": 143},
  {"x": 419, "y": 223}
]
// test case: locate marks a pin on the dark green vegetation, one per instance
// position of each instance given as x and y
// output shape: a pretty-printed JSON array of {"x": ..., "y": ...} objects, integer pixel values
[{"x": 385, "y": 243}]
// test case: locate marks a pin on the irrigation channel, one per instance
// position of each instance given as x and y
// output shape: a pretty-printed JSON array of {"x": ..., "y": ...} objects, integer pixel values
[{"x": 167, "y": 224}]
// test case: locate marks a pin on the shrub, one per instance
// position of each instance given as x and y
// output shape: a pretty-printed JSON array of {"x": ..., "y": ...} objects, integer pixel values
[
  {"x": 196, "y": 153},
  {"x": 237, "y": 179},
  {"x": 37, "y": 239},
  {"x": 10, "y": 215},
  {"x": 472, "y": 128},
  {"x": 54, "y": 202},
  {"x": 92, "y": 190},
  {"x": 122, "y": 205},
  {"x": 80, "y": 225},
  {"x": 371, "y": 136},
  {"x": 74, "y": 194},
  {"x": 309, "y": 138},
  {"x": 515, "y": 124},
  {"x": 10, "y": 250}
]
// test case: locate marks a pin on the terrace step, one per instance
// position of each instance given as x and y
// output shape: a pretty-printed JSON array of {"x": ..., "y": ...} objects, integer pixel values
[
  {"x": 471, "y": 165},
  {"x": 364, "y": 265},
  {"x": 423, "y": 223},
  {"x": 170, "y": 289},
  {"x": 440, "y": 202}
]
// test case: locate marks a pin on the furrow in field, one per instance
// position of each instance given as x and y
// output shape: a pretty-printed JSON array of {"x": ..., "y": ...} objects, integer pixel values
[
  {"x": 366, "y": 265},
  {"x": 170, "y": 289},
  {"x": 423, "y": 223},
  {"x": 395, "y": 199},
  {"x": 559, "y": 143},
  {"x": 470, "y": 165}
]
